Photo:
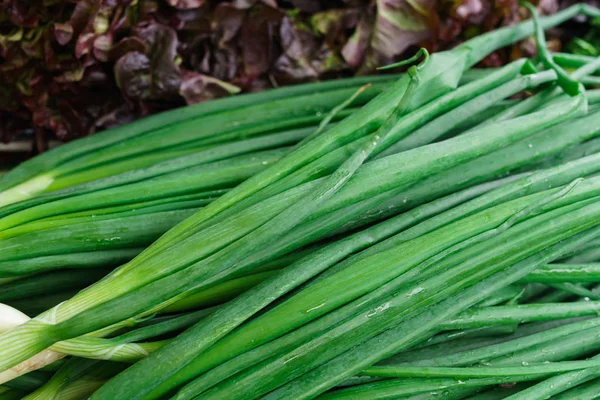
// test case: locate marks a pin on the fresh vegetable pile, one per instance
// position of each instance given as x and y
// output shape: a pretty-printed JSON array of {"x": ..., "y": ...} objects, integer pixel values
[
  {"x": 413, "y": 236},
  {"x": 145, "y": 56}
]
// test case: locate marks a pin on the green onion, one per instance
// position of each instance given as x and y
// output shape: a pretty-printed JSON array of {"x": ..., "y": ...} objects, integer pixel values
[
  {"x": 567, "y": 83},
  {"x": 588, "y": 391},
  {"x": 498, "y": 352},
  {"x": 477, "y": 372},
  {"x": 396, "y": 388},
  {"x": 557, "y": 384},
  {"x": 575, "y": 289},
  {"x": 522, "y": 313}
]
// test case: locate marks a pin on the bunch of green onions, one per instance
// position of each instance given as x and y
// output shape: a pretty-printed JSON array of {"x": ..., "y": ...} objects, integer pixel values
[{"x": 437, "y": 239}]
